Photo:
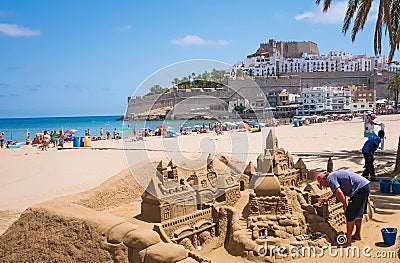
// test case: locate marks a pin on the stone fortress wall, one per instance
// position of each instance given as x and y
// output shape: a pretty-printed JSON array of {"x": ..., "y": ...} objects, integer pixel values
[
  {"x": 293, "y": 83},
  {"x": 291, "y": 49}
]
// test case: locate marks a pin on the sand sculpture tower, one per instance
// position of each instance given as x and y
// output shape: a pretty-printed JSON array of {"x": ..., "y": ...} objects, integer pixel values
[
  {"x": 280, "y": 162},
  {"x": 329, "y": 167},
  {"x": 193, "y": 179},
  {"x": 162, "y": 172},
  {"x": 172, "y": 172},
  {"x": 210, "y": 164}
]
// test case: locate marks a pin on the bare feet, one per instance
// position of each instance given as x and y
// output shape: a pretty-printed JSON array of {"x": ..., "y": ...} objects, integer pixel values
[{"x": 345, "y": 245}]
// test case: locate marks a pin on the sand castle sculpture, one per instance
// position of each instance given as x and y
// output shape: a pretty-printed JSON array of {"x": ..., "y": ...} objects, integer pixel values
[{"x": 276, "y": 209}]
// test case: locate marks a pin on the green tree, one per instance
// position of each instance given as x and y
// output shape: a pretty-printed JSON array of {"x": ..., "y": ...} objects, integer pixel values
[
  {"x": 156, "y": 89},
  {"x": 239, "y": 73},
  {"x": 394, "y": 87},
  {"x": 176, "y": 81},
  {"x": 388, "y": 19},
  {"x": 239, "y": 108},
  {"x": 251, "y": 73}
]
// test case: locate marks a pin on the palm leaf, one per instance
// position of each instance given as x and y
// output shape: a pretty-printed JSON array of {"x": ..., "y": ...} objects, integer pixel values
[
  {"x": 351, "y": 9},
  {"x": 361, "y": 17},
  {"x": 378, "y": 30},
  {"x": 327, "y": 4}
]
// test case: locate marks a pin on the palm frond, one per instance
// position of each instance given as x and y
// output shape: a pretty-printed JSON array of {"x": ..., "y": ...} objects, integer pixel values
[
  {"x": 386, "y": 6},
  {"x": 327, "y": 4},
  {"x": 361, "y": 18},
  {"x": 351, "y": 9},
  {"x": 378, "y": 31}
]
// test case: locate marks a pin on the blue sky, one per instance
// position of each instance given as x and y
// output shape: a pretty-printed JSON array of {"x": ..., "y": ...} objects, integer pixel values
[{"x": 65, "y": 58}]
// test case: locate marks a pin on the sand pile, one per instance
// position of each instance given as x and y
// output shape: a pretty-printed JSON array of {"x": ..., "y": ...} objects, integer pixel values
[
  {"x": 41, "y": 236},
  {"x": 97, "y": 225},
  {"x": 119, "y": 190}
]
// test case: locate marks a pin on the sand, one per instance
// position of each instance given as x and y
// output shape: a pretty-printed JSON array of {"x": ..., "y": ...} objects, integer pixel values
[{"x": 30, "y": 176}]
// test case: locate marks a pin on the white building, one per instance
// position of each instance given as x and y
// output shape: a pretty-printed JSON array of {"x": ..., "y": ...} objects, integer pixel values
[
  {"x": 313, "y": 101},
  {"x": 361, "y": 106},
  {"x": 337, "y": 99},
  {"x": 263, "y": 65},
  {"x": 319, "y": 100}
]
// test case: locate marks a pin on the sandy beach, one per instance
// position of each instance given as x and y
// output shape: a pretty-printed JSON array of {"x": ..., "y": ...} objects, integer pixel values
[{"x": 30, "y": 176}]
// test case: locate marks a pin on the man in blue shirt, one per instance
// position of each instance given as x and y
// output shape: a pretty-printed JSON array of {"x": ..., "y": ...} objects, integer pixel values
[
  {"x": 368, "y": 150},
  {"x": 345, "y": 183}
]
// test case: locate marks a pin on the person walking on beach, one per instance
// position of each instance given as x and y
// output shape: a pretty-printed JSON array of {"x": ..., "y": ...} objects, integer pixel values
[
  {"x": 369, "y": 126},
  {"x": 346, "y": 183},
  {"x": 368, "y": 151},
  {"x": 61, "y": 138},
  {"x": 28, "y": 138},
  {"x": 2, "y": 139},
  {"x": 115, "y": 133},
  {"x": 46, "y": 141},
  {"x": 101, "y": 133}
]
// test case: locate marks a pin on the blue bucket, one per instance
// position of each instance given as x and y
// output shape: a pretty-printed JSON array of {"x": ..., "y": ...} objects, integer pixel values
[
  {"x": 389, "y": 235},
  {"x": 396, "y": 188},
  {"x": 384, "y": 186},
  {"x": 76, "y": 142}
]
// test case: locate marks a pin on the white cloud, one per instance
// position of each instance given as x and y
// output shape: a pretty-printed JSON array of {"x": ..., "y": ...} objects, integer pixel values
[
  {"x": 14, "y": 30},
  {"x": 196, "y": 40},
  {"x": 123, "y": 28},
  {"x": 304, "y": 15},
  {"x": 335, "y": 14}
]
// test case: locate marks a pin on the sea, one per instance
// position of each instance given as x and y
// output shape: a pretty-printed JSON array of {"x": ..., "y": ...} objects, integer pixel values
[{"x": 16, "y": 129}]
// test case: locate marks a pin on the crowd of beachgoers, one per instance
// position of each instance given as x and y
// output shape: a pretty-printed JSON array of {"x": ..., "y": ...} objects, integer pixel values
[{"x": 56, "y": 139}]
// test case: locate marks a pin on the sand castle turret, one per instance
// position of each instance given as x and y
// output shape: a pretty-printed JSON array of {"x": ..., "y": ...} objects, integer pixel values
[
  {"x": 267, "y": 185},
  {"x": 210, "y": 163},
  {"x": 193, "y": 179},
  {"x": 172, "y": 172},
  {"x": 329, "y": 166},
  {"x": 162, "y": 173}
]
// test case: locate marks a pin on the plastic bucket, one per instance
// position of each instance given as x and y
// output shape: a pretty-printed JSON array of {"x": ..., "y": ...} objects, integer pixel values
[
  {"x": 384, "y": 186},
  {"x": 389, "y": 235},
  {"x": 76, "y": 142},
  {"x": 82, "y": 142},
  {"x": 296, "y": 124},
  {"x": 86, "y": 141},
  {"x": 396, "y": 188}
]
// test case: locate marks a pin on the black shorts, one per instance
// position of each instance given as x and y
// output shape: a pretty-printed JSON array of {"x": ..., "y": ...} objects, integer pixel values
[{"x": 357, "y": 205}]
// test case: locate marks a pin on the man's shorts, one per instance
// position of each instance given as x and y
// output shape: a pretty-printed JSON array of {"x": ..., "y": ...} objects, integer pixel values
[{"x": 357, "y": 205}]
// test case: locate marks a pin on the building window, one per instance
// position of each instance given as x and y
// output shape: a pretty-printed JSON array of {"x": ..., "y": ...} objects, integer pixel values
[{"x": 167, "y": 213}]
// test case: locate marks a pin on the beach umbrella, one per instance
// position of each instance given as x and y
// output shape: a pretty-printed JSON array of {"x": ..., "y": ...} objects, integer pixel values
[
  {"x": 162, "y": 127},
  {"x": 70, "y": 131},
  {"x": 197, "y": 126},
  {"x": 145, "y": 128},
  {"x": 125, "y": 129}
]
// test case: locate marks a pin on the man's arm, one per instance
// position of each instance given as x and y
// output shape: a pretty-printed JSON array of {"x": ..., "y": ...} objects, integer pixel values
[
  {"x": 326, "y": 199},
  {"x": 340, "y": 196}
]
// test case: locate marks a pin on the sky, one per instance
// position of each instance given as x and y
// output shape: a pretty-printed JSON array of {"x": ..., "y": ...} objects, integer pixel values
[{"x": 78, "y": 58}]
